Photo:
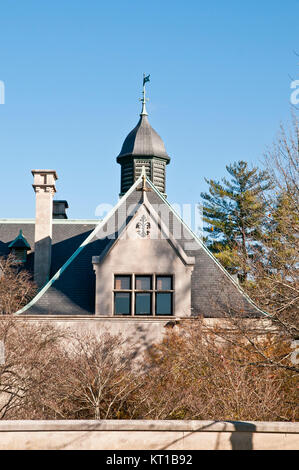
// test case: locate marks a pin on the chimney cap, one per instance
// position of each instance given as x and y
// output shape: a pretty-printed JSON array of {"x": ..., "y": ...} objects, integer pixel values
[
  {"x": 53, "y": 172},
  {"x": 61, "y": 201}
]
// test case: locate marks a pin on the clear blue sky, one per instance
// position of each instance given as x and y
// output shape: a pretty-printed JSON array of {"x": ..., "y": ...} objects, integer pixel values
[{"x": 220, "y": 86}]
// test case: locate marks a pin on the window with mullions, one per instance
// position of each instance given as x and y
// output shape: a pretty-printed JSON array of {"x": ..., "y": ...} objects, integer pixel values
[
  {"x": 122, "y": 295},
  {"x": 139, "y": 295},
  {"x": 143, "y": 295},
  {"x": 164, "y": 293}
]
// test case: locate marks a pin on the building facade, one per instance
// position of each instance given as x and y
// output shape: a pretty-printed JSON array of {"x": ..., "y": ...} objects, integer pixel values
[{"x": 140, "y": 263}]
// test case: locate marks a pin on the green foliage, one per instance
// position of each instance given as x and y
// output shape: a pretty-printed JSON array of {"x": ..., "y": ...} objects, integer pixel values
[{"x": 235, "y": 213}]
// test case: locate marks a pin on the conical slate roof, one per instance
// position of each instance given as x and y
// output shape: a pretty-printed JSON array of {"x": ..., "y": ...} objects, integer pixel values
[{"x": 143, "y": 141}]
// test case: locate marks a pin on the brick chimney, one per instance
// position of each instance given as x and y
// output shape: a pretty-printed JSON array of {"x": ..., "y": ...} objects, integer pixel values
[{"x": 44, "y": 187}]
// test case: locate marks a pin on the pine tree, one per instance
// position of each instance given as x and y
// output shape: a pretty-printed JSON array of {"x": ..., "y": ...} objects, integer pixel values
[{"x": 235, "y": 213}]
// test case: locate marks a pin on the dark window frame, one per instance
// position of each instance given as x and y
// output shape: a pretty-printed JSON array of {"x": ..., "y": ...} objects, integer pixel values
[
  {"x": 122, "y": 291},
  {"x": 136, "y": 293},
  {"x": 130, "y": 304},
  {"x": 154, "y": 291}
]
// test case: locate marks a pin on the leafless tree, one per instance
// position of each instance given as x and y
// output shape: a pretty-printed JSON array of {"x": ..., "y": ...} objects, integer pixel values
[
  {"x": 200, "y": 373},
  {"x": 27, "y": 366},
  {"x": 282, "y": 160},
  {"x": 94, "y": 379},
  {"x": 16, "y": 285},
  {"x": 276, "y": 286}
]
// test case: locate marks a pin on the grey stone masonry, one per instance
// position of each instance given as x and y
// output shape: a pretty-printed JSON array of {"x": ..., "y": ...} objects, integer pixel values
[{"x": 44, "y": 187}]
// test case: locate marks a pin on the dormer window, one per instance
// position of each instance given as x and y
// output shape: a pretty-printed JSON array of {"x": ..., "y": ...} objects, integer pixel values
[{"x": 19, "y": 247}]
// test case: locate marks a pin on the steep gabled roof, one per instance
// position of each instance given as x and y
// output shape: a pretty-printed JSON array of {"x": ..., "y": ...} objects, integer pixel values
[
  {"x": 253, "y": 308},
  {"x": 71, "y": 289},
  {"x": 160, "y": 226}
]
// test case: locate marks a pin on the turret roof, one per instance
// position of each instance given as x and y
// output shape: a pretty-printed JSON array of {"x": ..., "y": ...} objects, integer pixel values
[{"x": 143, "y": 141}]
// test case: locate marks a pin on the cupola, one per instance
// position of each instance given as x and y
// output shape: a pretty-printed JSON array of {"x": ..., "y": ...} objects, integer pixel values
[{"x": 143, "y": 147}]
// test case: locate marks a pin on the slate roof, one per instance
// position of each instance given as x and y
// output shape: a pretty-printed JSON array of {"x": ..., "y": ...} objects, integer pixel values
[
  {"x": 143, "y": 141},
  {"x": 67, "y": 236},
  {"x": 71, "y": 291}
]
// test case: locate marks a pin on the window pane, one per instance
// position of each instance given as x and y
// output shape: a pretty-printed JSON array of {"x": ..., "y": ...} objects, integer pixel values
[
  {"x": 143, "y": 282},
  {"x": 122, "y": 303},
  {"x": 122, "y": 282},
  {"x": 143, "y": 304},
  {"x": 164, "y": 304},
  {"x": 164, "y": 282}
]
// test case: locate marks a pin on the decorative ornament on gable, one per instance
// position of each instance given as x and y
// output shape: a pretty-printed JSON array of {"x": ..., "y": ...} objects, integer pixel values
[{"x": 143, "y": 227}]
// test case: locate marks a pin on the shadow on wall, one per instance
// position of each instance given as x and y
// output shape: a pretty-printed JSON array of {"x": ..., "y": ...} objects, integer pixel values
[{"x": 241, "y": 438}]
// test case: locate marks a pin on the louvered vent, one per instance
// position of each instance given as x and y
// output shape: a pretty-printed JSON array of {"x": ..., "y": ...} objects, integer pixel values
[{"x": 127, "y": 176}]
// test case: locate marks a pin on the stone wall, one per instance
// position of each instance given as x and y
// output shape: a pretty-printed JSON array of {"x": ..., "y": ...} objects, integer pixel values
[
  {"x": 148, "y": 435},
  {"x": 139, "y": 333}
]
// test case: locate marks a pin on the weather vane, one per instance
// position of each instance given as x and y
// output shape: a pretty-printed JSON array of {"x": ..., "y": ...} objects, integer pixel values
[{"x": 146, "y": 78}]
